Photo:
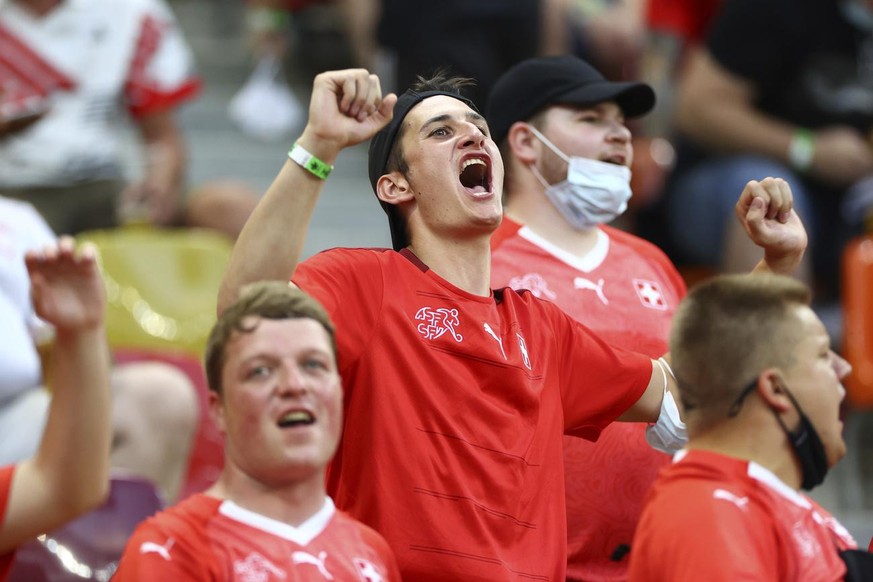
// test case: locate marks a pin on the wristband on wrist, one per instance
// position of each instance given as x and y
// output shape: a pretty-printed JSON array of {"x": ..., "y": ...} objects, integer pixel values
[
  {"x": 310, "y": 163},
  {"x": 263, "y": 19},
  {"x": 801, "y": 150}
]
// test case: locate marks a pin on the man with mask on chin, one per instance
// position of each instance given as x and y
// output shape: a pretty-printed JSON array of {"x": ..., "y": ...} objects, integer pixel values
[
  {"x": 567, "y": 151},
  {"x": 761, "y": 392}
]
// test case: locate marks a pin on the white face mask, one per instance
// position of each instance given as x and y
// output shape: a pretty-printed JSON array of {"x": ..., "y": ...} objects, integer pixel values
[{"x": 594, "y": 192}]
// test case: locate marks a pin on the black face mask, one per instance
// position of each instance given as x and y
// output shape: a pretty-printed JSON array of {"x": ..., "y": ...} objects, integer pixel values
[
  {"x": 805, "y": 441},
  {"x": 807, "y": 447}
]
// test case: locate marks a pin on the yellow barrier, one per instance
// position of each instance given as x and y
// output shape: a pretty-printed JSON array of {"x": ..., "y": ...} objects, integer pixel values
[{"x": 161, "y": 285}]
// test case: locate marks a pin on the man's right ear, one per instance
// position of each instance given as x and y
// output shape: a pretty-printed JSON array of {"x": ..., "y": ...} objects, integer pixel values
[
  {"x": 394, "y": 188},
  {"x": 523, "y": 143},
  {"x": 216, "y": 410}
]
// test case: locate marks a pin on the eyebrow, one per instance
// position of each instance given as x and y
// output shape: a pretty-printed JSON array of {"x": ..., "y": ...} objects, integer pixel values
[{"x": 469, "y": 115}]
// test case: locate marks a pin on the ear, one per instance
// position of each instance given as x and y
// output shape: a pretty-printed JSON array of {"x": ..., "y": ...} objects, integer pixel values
[
  {"x": 770, "y": 389},
  {"x": 523, "y": 144},
  {"x": 216, "y": 410},
  {"x": 394, "y": 188}
]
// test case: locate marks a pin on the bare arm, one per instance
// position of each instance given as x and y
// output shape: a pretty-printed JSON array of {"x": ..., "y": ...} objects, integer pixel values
[
  {"x": 160, "y": 190},
  {"x": 346, "y": 108},
  {"x": 648, "y": 407},
  {"x": 70, "y": 471},
  {"x": 716, "y": 109}
]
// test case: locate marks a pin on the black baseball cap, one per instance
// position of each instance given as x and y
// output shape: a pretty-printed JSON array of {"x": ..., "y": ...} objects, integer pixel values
[
  {"x": 380, "y": 149},
  {"x": 535, "y": 83}
]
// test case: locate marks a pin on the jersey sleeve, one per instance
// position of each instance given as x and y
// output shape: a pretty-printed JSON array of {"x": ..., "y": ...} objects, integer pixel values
[
  {"x": 349, "y": 284},
  {"x": 692, "y": 535},
  {"x": 380, "y": 546},
  {"x": 599, "y": 382},
  {"x": 161, "y": 74},
  {"x": 155, "y": 553},
  {"x": 5, "y": 487}
]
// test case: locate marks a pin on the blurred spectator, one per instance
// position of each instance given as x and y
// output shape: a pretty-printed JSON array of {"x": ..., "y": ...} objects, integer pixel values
[
  {"x": 275, "y": 390},
  {"x": 761, "y": 391},
  {"x": 610, "y": 34},
  {"x": 153, "y": 409},
  {"x": 561, "y": 128},
  {"x": 784, "y": 88},
  {"x": 69, "y": 473},
  {"x": 472, "y": 38},
  {"x": 72, "y": 71}
]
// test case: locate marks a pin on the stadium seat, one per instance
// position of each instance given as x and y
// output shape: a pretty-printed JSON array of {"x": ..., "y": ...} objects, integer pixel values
[
  {"x": 162, "y": 287},
  {"x": 89, "y": 547},
  {"x": 857, "y": 286}
]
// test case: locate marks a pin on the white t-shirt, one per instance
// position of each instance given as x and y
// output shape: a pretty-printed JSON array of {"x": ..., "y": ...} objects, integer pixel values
[
  {"x": 89, "y": 61},
  {"x": 21, "y": 229}
]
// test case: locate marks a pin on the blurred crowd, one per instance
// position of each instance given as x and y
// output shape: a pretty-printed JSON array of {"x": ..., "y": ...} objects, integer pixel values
[{"x": 700, "y": 106}]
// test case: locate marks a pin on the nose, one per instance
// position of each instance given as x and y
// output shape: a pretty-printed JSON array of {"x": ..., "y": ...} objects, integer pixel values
[
  {"x": 841, "y": 367},
  {"x": 292, "y": 381},
  {"x": 618, "y": 132},
  {"x": 474, "y": 136}
]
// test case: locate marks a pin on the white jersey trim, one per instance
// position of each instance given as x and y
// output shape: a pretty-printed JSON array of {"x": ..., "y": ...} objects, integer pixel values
[
  {"x": 767, "y": 477},
  {"x": 592, "y": 259},
  {"x": 301, "y": 535}
]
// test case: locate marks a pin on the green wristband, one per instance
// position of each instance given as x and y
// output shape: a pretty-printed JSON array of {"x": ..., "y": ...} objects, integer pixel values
[
  {"x": 309, "y": 162},
  {"x": 801, "y": 149}
]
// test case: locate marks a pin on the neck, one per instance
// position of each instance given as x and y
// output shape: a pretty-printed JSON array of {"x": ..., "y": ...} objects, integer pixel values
[
  {"x": 527, "y": 204},
  {"x": 292, "y": 503},
  {"x": 463, "y": 262},
  {"x": 750, "y": 440}
]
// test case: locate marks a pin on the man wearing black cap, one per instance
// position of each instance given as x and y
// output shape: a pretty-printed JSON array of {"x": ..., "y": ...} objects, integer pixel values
[
  {"x": 456, "y": 396},
  {"x": 561, "y": 129}
]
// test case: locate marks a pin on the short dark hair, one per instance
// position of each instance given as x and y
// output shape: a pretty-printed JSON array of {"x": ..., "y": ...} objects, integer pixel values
[
  {"x": 267, "y": 300},
  {"x": 727, "y": 330}
]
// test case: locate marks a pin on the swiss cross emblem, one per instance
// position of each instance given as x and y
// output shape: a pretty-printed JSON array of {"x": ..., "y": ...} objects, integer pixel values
[{"x": 650, "y": 294}]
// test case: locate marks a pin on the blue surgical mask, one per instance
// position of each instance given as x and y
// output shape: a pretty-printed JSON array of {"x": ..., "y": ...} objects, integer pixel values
[{"x": 593, "y": 193}]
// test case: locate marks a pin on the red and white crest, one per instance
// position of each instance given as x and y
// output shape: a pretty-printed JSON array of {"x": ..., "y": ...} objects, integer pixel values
[
  {"x": 650, "y": 294},
  {"x": 437, "y": 322}
]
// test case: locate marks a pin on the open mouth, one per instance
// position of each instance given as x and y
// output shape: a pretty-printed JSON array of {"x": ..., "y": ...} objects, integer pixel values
[
  {"x": 475, "y": 175},
  {"x": 296, "y": 418}
]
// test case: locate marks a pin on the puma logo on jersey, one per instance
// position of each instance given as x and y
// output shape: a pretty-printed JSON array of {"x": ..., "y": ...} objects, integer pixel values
[
  {"x": 583, "y": 283},
  {"x": 367, "y": 570},
  {"x": 437, "y": 322},
  {"x": 522, "y": 346},
  {"x": 535, "y": 283},
  {"x": 650, "y": 294},
  {"x": 499, "y": 341},
  {"x": 740, "y": 502},
  {"x": 257, "y": 568},
  {"x": 153, "y": 548},
  {"x": 299, "y": 557}
]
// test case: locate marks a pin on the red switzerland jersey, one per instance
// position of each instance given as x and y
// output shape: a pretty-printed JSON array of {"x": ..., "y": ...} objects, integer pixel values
[
  {"x": 5, "y": 485},
  {"x": 205, "y": 538},
  {"x": 715, "y": 518},
  {"x": 455, "y": 407},
  {"x": 626, "y": 290}
]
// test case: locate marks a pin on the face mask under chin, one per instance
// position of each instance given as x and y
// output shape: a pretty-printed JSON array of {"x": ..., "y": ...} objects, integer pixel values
[
  {"x": 593, "y": 193},
  {"x": 807, "y": 446},
  {"x": 804, "y": 440}
]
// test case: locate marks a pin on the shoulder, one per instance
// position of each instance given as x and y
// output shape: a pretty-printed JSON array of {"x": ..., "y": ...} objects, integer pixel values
[
  {"x": 185, "y": 517},
  {"x": 640, "y": 245}
]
